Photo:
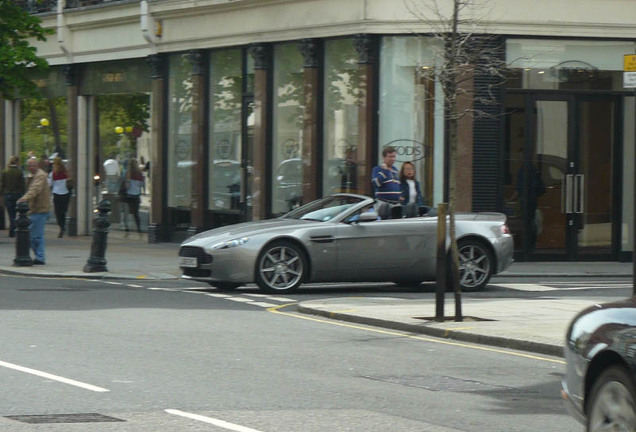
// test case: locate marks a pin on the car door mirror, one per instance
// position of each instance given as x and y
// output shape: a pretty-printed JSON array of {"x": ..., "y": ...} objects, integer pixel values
[{"x": 368, "y": 217}]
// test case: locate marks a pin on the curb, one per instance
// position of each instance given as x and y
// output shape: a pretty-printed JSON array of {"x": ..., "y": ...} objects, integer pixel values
[
  {"x": 96, "y": 275},
  {"x": 517, "y": 344}
]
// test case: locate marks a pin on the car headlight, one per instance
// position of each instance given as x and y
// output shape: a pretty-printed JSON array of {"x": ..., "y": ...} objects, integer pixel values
[{"x": 230, "y": 243}]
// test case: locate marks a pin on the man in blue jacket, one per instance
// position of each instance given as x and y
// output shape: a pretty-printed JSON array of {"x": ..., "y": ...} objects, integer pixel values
[{"x": 386, "y": 178}]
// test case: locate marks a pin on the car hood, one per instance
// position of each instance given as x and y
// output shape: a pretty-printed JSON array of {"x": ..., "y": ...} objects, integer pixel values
[{"x": 246, "y": 229}]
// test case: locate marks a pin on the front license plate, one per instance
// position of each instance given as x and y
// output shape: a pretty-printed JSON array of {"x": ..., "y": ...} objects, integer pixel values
[{"x": 188, "y": 262}]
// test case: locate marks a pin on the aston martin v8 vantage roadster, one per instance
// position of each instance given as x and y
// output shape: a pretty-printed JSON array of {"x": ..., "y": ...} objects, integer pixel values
[{"x": 341, "y": 238}]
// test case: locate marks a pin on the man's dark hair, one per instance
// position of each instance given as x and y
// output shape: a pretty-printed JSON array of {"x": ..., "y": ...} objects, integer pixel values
[{"x": 388, "y": 150}]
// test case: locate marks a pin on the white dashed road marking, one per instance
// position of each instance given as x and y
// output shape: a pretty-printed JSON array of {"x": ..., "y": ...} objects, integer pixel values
[
  {"x": 238, "y": 297},
  {"x": 560, "y": 286},
  {"x": 280, "y": 299},
  {"x": 53, "y": 377},
  {"x": 212, "y": 421}
]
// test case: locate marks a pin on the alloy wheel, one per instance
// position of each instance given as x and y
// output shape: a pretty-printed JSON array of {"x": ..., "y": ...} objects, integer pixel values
[
  {"x": 280, "y": 268},
  {"x": 475, "y": 266}
]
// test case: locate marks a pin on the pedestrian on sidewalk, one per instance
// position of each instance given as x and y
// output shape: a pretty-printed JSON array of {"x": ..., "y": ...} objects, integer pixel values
[
  {"x": 135, "y": 181},
  {"x": 11, "y": 189},
  {"x": 38, "y": 195},
  {"x": 61, "y": 186}
]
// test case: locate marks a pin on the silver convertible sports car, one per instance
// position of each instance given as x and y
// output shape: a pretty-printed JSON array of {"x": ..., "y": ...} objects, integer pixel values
[{"x": 340, "y": 238}]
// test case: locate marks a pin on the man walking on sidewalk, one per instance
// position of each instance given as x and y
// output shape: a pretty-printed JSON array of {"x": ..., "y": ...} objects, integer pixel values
[{"x": 38, "y": 196}]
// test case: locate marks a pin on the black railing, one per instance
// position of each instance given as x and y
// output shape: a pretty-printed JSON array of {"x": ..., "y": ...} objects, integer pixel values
[
  {"x": 71, "y": 4},
  {"x": 44, "y": 6},
  {"x": 37, "y": 6}
]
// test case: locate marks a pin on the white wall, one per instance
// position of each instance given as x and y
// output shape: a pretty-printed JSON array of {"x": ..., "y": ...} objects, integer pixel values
[{"x": 113, "y": 31}]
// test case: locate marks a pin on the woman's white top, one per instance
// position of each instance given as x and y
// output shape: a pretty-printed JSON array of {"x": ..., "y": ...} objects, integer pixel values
[
  {"x": 58, "y": 183},
  {"x": 412, "y": 190}
]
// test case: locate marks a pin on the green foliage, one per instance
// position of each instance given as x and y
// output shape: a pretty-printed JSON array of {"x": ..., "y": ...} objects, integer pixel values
[
  {"x": 17, "y": 56},
  {"x": 129, "y": 111},
  {"x": 42, "y": 140}
]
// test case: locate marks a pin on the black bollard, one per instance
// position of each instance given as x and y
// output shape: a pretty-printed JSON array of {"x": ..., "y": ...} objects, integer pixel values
[
  {"x": 22, "y": 236},
  {"x": 97, "y": 260}
]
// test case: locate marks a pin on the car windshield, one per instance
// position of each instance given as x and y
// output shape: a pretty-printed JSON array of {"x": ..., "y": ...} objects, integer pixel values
[{"x": 325, "y": 209}]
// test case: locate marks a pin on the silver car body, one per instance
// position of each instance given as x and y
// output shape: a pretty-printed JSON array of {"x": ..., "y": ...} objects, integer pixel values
[{"x": 338, "y": 248}]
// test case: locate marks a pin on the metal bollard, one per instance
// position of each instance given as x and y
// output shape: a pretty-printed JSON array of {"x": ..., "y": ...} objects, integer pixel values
[
  {"x": 97, "y": 261},
  {"x": 22, "y": 236}
]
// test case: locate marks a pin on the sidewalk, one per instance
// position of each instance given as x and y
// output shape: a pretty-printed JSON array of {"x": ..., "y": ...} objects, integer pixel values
[
  {"x": 531, "y": 324},
  {"x": 127, "y": 257}
]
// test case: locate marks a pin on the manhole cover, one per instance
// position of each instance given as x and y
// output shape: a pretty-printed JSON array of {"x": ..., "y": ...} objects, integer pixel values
[{"x": 64, "y": 418}]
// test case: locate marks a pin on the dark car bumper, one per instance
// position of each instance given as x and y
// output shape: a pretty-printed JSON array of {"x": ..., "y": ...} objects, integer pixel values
[{"x": 571, "y": 405}]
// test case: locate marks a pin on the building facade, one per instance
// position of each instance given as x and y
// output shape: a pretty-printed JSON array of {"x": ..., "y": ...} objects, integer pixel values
[{"x": 249, "y": 108}]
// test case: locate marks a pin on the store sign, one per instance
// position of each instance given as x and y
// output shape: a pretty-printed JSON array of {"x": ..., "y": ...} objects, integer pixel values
[
  {"x": 629, "y": 68},
  {"x": 629, "y": 79},
  {"x": 409, "y": 150},
  {"x": 571, "y": 71},
  {"x": 112, "y": 77}
]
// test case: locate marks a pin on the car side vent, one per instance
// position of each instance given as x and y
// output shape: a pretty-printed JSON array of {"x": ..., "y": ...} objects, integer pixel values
[{"x": 195, "y": 252}]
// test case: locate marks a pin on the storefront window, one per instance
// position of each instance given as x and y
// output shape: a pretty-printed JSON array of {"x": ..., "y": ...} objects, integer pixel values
[
  {"x": 566, "y": 64},
  {"x": 341, "y": 117},
  {"x": 225, "y": 145},
  {"x": 287, "y": 184},
  {"x": 122, "y": 122},
  {"x": 180, "y": 163},
  {"x": 407, "y": 108}
]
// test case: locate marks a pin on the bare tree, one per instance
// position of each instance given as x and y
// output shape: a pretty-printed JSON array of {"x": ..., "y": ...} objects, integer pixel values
[{"x": 466, "y": 50}]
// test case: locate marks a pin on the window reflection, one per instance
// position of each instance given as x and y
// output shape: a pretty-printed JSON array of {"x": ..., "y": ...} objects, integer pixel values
[
  {"x": 180, "y": 163},
  {"x": 341, "y": 117},
  {"x": 289, "y": 97},
  {"x": 224, "y": 162},
  {"x": 407, "y": 106}
]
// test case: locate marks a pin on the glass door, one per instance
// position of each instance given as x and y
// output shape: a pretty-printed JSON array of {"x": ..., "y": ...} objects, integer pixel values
[
  {"x": 560, "y": 181},
  {"x": 541, "y": 183},
  {"x": 592, "y": 185}
]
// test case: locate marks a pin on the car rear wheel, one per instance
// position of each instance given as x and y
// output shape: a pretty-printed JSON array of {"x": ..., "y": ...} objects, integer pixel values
[
  {"x": 281, "y": 268},
  {"x": 475, "y": 265},
  {"x": 611, "y": 406},
  {"x": 225, "y": 286}
]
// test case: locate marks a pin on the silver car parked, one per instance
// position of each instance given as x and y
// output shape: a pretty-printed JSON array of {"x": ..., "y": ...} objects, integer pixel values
[{"x": 340, "y": 238}]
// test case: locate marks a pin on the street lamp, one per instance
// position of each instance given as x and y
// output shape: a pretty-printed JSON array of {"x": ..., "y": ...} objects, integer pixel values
[
  {"x": 44, "y": 123},
  {"x": 124, "y": 142}
]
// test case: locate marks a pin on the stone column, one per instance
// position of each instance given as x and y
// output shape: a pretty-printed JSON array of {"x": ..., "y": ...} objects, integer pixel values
[
  {"x": 311, "y": 163},
  {"x": 367, "y": 50},
  {"x": 260, "y": 53},
  {"x": 197, "y": 207},
  {"x": 72, "y": 150},
  {"x": 156, "y": 226}
]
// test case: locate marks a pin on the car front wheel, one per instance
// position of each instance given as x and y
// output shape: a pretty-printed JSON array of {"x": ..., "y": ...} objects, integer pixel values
[
  {"x": 281, "y": 268},
  {"x": 475, "y": 265},
  {"x": 611, "y": 406}
]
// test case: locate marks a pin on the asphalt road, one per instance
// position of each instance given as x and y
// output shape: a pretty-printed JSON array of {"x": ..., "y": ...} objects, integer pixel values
[{"x": 167, "y": 356}]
